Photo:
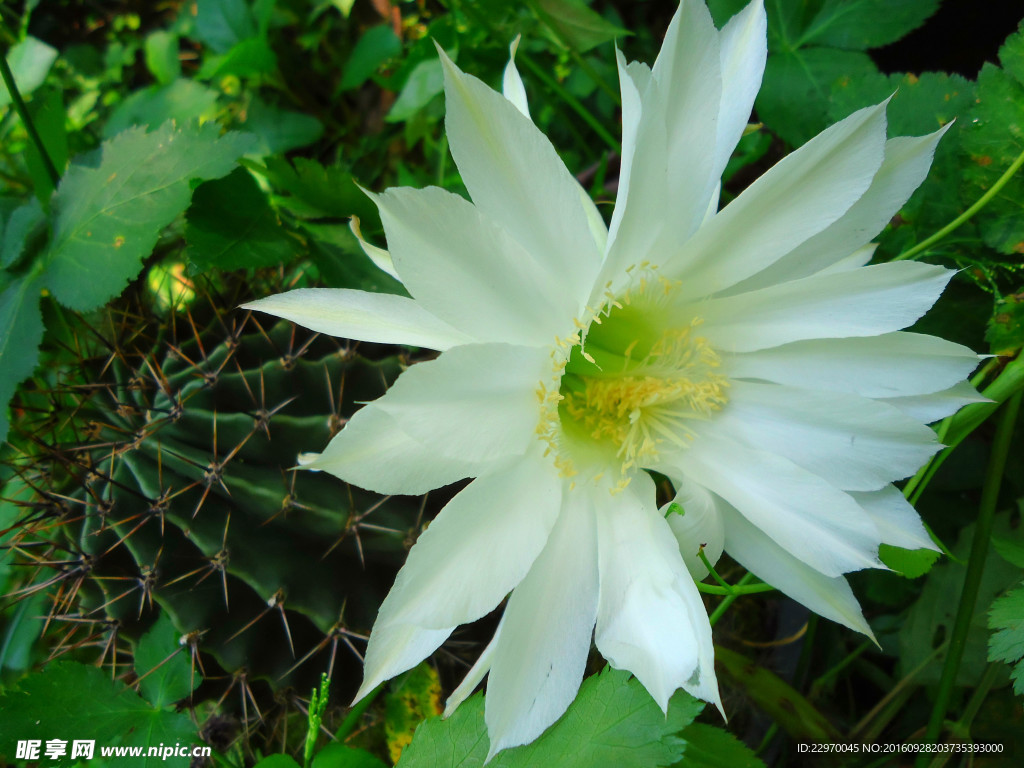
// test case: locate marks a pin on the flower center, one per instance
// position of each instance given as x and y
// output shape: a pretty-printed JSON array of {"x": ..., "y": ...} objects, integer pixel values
[{"x": 628, "y": 387}]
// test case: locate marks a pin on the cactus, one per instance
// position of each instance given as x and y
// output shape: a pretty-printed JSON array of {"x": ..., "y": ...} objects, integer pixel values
[{"x": 161, "y": 482}]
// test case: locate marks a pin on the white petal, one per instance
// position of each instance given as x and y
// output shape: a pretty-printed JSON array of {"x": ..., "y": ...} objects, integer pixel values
[
  {"x": 938, "y": 405},
  {"x": 478, "y": 548},
  {"x": 650, "y": 619},
  {"x": 815, "y": 521},
  {"x": 380, "y": 257},
  {"x": 468, "y": 271},
  {"x": 897, "y": 521},
  {"x": 699, "y": 526},
  {"x": 395, "y": 648},
  {"x": 373, "y": 452},
  {"x": 512, "y": 87},
  {"x": 475, "y": 674},
  {"x": 476, "y": 402},
  {"x": 864, "y": 302},
  {"x": 890, "y": 365},
  {"x": 541, "y": 653},
  {"x": 516, "y": 178},
  {"x": 792, "y": 202},
  {"x": 827, "y": 596},
  {"x": 906, "y": 164},
  {"x": 852, "y": 442},
  {"x": 376, "y": 317},
  {"x": 667, "y": 175},
  {"x": 744, "y": 48}
]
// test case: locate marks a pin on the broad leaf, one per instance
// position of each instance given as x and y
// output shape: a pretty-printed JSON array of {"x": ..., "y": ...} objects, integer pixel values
[
  {"x": 108, "y": 217},
  {"x": 710, "y": 747},
  {"x": 82, "y": 702},
  {"x": 911, "y": 563},
  {"x": 279, "y": 130},
  {"x": 151, "y": 107},
  {"x": 377, "y": 45},
  {"x": 576, "y": 24},
  {"x": 232, "y": 226},
  {"x": 30, "y": 61},
  {"x": 163, "y": 665},
  {"x": 612, "y": 722},
  {"x": 222, "y": 24}
]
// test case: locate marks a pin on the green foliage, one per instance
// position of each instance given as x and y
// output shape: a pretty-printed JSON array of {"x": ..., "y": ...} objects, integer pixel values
[
  {"x": 410, "y": 700},
  {"x": 68, "y": 700},
  {"x": 710, "y": 747},
  {"x": 1005, "y": 332},
  {"x": 232, "y": 226},
  {"x": 162, "y": 664},
  {"x": 109, "y": 216},
  {"x": 1006, "y": 619},
  {"x": 30, "y": 61},
  {"x": 612, "y": 722},
  {"x": 911, "y": 563},
  {"x": 23, "y": 332},
  {"x": 576, "y": 25}
]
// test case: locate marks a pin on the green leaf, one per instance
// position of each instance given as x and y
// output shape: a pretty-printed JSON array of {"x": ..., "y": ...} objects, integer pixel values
[
  {"x": 249, "y": 58},
  {"x": 1011, "y": 551},
  {"x": 862, "y": 24},
  {"x": 82, "y": 702},
  {"x": 575, "y": 23},
  {"x": 232, "y": 226},
  {"x": 21, "y": 332},
  {"x": 277, "y": 761},
  {"x": 339, "y": 756},
  {"x": 108, "y": 217},
  {"x": 424, "y": 83},
  {"x": 222, "y": 24},
  {"x": 794, "y": 100},
  {"x": 710, "y": 747},
  {"x": 1005, "y": 332},
  {"x": 30, "y": 62},
  {"x": 318, "y": 191},
  {"x": 1007, "y": 641},
  {"x": 612, "y": 722},
  {"x": 911, "y": 563},
  {"x": 930, "y": 620},
  {"x": 377, "y": 45},
  {"x": 993, "y": 141},
  {"x": 161, "y": 48},
  {"x": 411, "y": 699},
  {"x": 181, "y": 101},
  {"x": 280, "y": 130},
  {"x": 163, "y": 665},
  {"x": 24, "y": 224},
  {"x": 48, "y": 116},
  {"x": 342, "y": 263}
]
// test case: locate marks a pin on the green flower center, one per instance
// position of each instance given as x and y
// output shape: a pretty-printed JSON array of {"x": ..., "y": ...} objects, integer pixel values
[{"x": 629, "y": 387}]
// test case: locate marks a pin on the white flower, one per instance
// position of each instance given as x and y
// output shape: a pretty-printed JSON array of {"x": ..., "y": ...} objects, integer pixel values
[{"x": 746, "y": 354}]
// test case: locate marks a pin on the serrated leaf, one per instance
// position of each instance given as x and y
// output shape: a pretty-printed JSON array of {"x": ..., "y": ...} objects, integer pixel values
[
  {"x": 1007, "y": 641},
  {"x": 1005, "y": 332},
  {"x": 337, "y": 755},
  {"x": 232, "y": 226},
  {"x": 577, "y": 24},
  {"x": 30, "y": 62},
  {"x": 993, "y": 141},
  {"x": 317, "y": 191},
  {"x": 862, "y": 24},
  {"x": 24, "y": 223},
  {"x": 612, "y": 722},
  {"x": 21, "y": 332},
  {"x": 181, "y": 101},
  {"x": 163, "y": 665},
  {"x": 931, "y": 618},
  {"x": 70, "y": 700},
  {"x": 911, "y": 563},
  {"x": 377, "y": 45},
  {"x": 108, "y": 217},
  {"x": 710, "y": 747}
]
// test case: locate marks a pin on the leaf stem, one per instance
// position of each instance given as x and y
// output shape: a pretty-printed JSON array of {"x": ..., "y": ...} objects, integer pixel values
[
  {"x": 975, "y": 568},
  {"x": 30, "y": 127},
  {"x": 966, "y": 215}
]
